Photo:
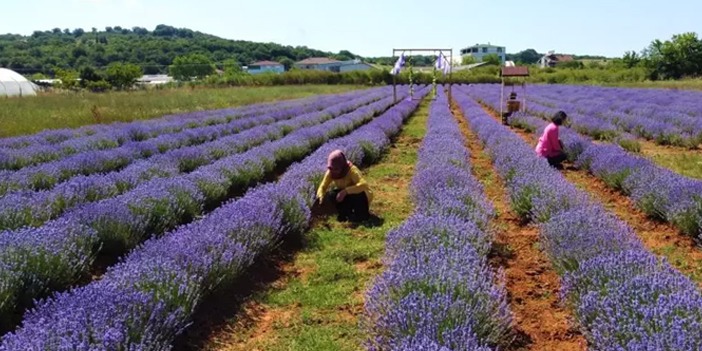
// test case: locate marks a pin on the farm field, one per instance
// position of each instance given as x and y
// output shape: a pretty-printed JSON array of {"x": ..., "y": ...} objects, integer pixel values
[
  {"x": 199, "y": 229},
  {"x": 72, "y": 110}
]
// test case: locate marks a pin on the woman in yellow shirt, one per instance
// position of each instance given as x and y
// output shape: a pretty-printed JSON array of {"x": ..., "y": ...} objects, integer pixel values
[{"x": 351, "y": 192}]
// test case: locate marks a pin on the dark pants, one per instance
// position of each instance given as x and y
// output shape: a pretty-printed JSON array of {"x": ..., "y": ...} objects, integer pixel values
[
  {"x": 354, "y": 207},
  {"x": 556, "y": 161}
]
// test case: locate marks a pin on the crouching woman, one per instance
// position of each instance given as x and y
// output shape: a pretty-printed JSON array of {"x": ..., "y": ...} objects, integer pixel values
[
  {"x": 350, "y": 192},
  {"x": 550, "y": 145}
]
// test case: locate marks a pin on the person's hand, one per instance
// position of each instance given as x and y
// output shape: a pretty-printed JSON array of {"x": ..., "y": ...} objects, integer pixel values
[
  {"x": 320, "y": 199},
  {"x": 341, "y": 196}
]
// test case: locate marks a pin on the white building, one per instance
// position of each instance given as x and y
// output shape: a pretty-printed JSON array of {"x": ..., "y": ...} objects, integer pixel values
[{"x": 478, "y": 51}]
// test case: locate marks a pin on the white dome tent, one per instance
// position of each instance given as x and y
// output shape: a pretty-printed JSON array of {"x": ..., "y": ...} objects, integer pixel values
[{"x": 14, "y": 84}]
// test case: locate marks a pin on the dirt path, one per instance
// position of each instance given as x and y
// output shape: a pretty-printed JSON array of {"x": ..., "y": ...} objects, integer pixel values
[
  {"x": 660, "y": 238},
  {"x": 541, "y": 322},
  {"x": 315, "y": 298}
]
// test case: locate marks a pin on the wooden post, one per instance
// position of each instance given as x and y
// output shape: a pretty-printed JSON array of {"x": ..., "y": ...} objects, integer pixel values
[
  {"x": 450, "y": 96},
  {"x": 524, "y": 97},
  {"x": 502, "y": 101}
]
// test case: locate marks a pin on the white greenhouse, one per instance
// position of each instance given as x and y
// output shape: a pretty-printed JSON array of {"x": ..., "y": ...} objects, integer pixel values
[{"x": 14, "y": 84}]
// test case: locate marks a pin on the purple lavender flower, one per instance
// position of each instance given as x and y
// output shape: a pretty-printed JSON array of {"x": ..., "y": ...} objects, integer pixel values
[
  {"x": 147, "y": 299},
  {"x": 623, "y": 297}
]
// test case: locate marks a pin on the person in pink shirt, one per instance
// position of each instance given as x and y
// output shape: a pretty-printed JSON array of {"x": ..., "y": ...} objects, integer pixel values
[{"x": 550, "y": 145}]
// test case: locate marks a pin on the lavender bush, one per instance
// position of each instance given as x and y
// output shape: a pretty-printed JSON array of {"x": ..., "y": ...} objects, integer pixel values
[
  {"x": 623, "y": 297},
  {"x": 663, "y": 116},
  {"x": 47, "y": 175},
  {"x": 438, "y": 292},
  {"x": 659, "y": 192},
  {"x": 161, "y": 204},
  {"x": 22, "y": 208},
  {"x": 19, "y": 152},
  {"x": 147, "y": 299}
]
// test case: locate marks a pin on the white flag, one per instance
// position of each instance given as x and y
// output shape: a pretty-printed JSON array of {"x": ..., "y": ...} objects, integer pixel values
[{"x": 398, "y": 65}]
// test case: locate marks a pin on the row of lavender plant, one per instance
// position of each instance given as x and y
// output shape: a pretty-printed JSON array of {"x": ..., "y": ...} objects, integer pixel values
[
  {"x": 659, "y": 192},
  {"x": 672, "y": 103},
  {"x": 51, "y": 257},
  {"x": 141, "y": 144},
  {"x": 47, "y": 175},
  {"x": 22, "y": 208},
  {"x": 144, "y": 302},
  {"x": 623, "y": 296},
  {"x": 594, "y": 127},
  {"x": 667, "y": 121},
  {"x": 438, "y": 291},
  {"x": 134, "y": 134},
  {"x": 98, "y": 136}
]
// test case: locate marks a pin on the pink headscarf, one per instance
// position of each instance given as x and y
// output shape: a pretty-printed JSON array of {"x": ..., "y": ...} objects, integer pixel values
[{"x": 337, "y": 164}]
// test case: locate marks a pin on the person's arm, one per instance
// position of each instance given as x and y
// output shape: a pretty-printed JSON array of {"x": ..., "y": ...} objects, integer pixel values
[
  {"x": 360, "y": 183},
  {"x": 324, "y": 186}
]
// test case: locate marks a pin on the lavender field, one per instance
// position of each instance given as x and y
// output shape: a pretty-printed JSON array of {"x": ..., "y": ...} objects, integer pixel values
[{"x": 127, "y": 236}]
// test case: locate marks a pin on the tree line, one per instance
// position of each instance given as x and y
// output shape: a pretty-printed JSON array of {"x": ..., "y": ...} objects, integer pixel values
[
  {"x": 675, "y": 58},
  {"x": 153, "y": 51},
  {"x": 115, "y": 57}
]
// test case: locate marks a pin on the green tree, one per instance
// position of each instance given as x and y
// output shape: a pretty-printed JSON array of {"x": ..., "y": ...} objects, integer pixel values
[
  {"x": 231, "y": 67},
  {"x": 87, "y": 75},
  {"x": 79, "y": 51},
  {"x": 528, "y": 56},
  {"x": 492, "y": 59},
  {"x": 191, "y": 66},
  {"x": 631, "y": 59},
  {"x": 163, "y": 30},
  {"x": 68, "y": 77},
  {"x": 140, "y": 30},
  {"x": 467, "y": 60},
  {"x": 38, "y": 76},
  {"x": 344, "y": 55},
  {"x": 287, "y": 63},
  {"x": 42, "y": 51},
  {"x": 676, "y": 58},
  {"x": 123, "y": 75}
]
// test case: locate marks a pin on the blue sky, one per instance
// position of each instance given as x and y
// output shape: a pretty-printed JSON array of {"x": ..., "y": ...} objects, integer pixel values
[{"x": 374, "y": 27}]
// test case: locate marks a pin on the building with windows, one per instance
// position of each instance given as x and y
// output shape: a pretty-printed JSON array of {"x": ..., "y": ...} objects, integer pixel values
[
  {"x": 478, "y": 51},
  {"x": 265, "y": 66},
  {"x": 551, "y": 59},
  {"x": 319, "y": 64},
  {"x": 326, "y": 64}
]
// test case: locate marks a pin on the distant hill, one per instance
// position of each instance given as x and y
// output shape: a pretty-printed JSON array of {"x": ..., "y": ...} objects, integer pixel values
[{"x": 153, "y": 50}]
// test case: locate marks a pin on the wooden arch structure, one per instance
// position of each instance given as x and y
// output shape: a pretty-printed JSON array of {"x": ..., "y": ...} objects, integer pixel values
[{"x": 435, "y": 51}]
